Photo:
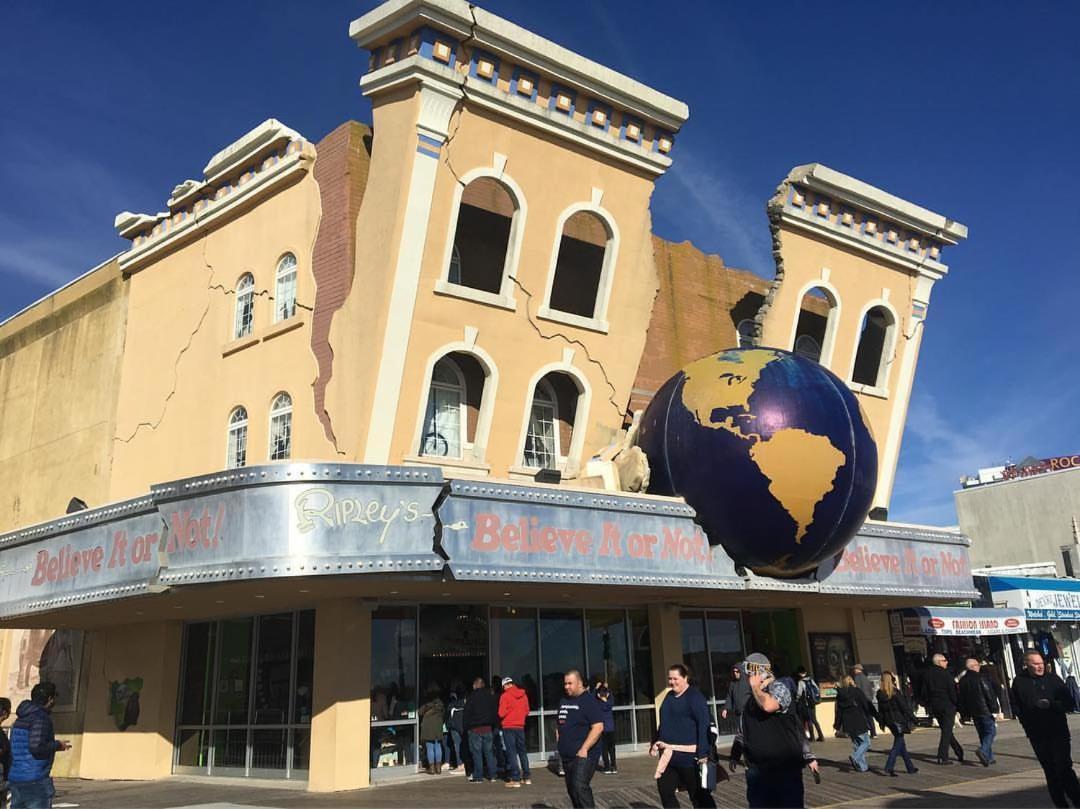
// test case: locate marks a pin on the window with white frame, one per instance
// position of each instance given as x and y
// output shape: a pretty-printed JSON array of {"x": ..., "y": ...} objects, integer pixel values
[
  {"x": 542, "y": 435},
  {"x": 579, "y": 267},
  {"x": 238, "y": 431},
  {"x": 285, "y": 288},
  {"x": 745, "y": 333},
  {"x": 281, "y": 427},
  {"x": 482, "y": 236},
  {"x": 875, "y": 342},
  {"x": 445, "y": 417},
  {"x": 244, "y": 320},
  {"x": 816, "y": 325}
]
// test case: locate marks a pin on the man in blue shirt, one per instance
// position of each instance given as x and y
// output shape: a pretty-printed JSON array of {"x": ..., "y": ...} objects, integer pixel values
[
  {"x": 33, "y": 747},
  {"x": 581, "y": 721}
]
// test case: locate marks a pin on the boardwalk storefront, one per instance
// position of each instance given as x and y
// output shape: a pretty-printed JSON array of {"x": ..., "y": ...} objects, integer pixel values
[{"x": 281, "y": 621}]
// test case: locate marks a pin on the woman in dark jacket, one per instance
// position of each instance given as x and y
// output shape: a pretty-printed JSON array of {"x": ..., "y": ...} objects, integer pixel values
[
  {"x": 853, "y": 710},
  {"x": 431, "y": 715},
  {"x": 896, "y": 716}
]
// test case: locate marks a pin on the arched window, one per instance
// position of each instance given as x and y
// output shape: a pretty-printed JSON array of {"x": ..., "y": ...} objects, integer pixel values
[
  {"x": 552, "y": 414},
  {"x": 816, "y": 327},
  {"x": 285, "y": 288},
  {"x": 238, "y": 428},
  {"x": 745, "y": 332},
  {"x": 244, "y": 321},
  {"x": 281, "y": 427},
  {"x": 580, "y": 265},
  {"x": 445, "y": 416},
  {"x": 875, "y": 343},
  {"x": 482, "y": 237}
]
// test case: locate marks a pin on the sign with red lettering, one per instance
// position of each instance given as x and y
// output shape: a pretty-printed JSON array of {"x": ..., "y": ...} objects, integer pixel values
[
  {"x": 537, "y": 534},
  {"x": 1054, "y": 464},
  {"x": 954, "y": 621}
]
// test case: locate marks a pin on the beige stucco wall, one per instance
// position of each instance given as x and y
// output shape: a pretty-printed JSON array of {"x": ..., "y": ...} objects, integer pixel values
[
  {"x": 860, "y": 283},
  {"x": 59, "y": 367},
  {"x": 178, "y": 387}
]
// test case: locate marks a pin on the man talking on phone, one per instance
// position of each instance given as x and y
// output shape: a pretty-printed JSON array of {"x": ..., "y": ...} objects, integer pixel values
[{"x": 771, "y": 740}]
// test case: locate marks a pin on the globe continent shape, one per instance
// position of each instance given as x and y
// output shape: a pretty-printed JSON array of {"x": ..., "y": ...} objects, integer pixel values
[{"x": 773, "y": 452}]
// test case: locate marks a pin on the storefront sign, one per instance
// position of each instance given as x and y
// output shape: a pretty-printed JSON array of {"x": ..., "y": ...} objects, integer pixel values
[
  {"x": 890, "y": 560},
  {"x": 957, "y": 621},
  {"x": 299, "y": 520},
  {"x": 535, "y": 534},
  {"x": 89, "y": 556},
  {"x": 1039, "y": 467},
  {"x": 1040, "y": 599}
]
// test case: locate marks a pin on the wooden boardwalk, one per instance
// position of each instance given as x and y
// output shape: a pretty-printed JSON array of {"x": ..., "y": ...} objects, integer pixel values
[{"x": 1015, "y": 781}]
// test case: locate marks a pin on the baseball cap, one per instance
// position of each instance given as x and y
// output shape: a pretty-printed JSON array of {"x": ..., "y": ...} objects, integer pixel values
[{"x": 507, "y": 680}]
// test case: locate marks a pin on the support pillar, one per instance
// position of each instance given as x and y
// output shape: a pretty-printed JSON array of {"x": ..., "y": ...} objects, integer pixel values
[
  {"x": 341, "y": 720},
  {"x": 665, "y": 636}
]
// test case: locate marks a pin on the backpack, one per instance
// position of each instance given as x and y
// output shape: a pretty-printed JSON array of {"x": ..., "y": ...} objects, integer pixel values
[{"x": 814, "y": 690}]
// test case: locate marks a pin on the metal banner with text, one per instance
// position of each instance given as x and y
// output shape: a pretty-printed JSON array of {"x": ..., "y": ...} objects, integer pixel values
[
  {"x": 299, "y": 520},
  {"x": 529, "y": 533}
]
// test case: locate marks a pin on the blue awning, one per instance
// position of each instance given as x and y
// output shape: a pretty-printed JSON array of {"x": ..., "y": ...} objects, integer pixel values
[{"x": 1040, "y": 599}]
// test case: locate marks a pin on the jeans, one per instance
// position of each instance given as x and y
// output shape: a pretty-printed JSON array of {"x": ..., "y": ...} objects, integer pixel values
[
  {"x": 608, "y": 756},
  {"x": 1054, "y": 753},
  {"x": 480, "y": 746},
  {"x": 899, "y": 748},
  {"x": 517, "y": 759},
  {"x": 32, "y": 794},
  {"x": 947, "y": 720},
  {"x": 860, "y": 744},
  {"x": 455, "y": 745},
  {"x": 811, "y": 724},
  {"x": 774, "y": 789},
  {"x": 689, "y": 778},
  {"x": 433, "y": 748},
  {"x": 579, "y": 772},
  {"x": 986, "y": 727}
]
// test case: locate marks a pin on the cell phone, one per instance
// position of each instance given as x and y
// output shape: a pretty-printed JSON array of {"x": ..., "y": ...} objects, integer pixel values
[{"x": 817, "y": 776}]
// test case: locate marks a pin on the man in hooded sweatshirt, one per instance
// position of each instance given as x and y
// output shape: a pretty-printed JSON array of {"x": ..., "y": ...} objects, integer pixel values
[
  {"x": 33, "y": 746},
  {"x": 513, "y": 708}
]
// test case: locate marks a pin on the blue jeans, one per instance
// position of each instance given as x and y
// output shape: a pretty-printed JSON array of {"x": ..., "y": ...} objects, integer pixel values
[
  {"x": 986, "y": 727},
  {"x": 483, "y": 753},
  {"x": 517, "y": 760},
  {"x": 455, "y": 745},
  {"x": 899, "y": 748},
  {"x": 774, "y": 788},
  {"x": 32, "y": 794},
  {"x": 433, "y": 748},
  {"x": 860, "y": 745}
]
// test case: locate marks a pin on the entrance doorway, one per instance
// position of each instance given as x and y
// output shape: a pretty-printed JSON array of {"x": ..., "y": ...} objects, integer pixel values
[{"x": 453, "y": 648}]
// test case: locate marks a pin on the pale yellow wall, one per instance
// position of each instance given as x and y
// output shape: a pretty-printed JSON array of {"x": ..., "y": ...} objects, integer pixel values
[
  {"x": 177, "y": 388},
  {"x": 356, "y": 334},
  {"x": 552, "y": 177},
  {"x": 59, "y": 367},
  {"x": 144, "y": 750},
  {"x": 859, "y": 282}
]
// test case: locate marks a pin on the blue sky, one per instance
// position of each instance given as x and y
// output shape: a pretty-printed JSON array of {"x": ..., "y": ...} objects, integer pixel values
[{"x": 968, "y": 108}]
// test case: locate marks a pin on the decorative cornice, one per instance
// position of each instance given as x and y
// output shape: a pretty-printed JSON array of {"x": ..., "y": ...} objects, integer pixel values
[{"x": 262, "y": 161}]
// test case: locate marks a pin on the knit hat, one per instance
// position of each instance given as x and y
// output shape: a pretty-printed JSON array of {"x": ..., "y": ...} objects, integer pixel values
[
  {"x": 507, "y": 681},
  {"x": 757, "y": 663}
]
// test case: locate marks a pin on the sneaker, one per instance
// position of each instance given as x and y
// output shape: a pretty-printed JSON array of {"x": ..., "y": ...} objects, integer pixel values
[
  {"x": 513, "y": 785},
  {"x": 614, "y": 772},
  {"x": 527, "y": 781},
  {"x": 476, "y": 780},
  {"x": 982, "y": 758}
]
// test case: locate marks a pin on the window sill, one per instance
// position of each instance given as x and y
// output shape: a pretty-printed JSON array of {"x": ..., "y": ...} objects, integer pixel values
[
  {"x": 590, "y": 323},
  {"x": 283, "y": 326},
  {"x": 475, "y": 295},
  {"x": 459, "y": 466},
  {"x": 519, "y": 472},
  {"x": 869, "y": 390},
  {"x": 238, "y": 345}
]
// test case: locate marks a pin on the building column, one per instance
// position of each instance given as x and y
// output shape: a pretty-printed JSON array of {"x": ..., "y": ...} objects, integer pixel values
[
  {"x": 665, "y": 637},
  {"x": 341, "y": 720},
  {"x": 437, "y": 104},
  {"x": 148, "y": 657}
]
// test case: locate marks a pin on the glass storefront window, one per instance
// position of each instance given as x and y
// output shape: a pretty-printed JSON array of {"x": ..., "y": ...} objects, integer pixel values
[
  {"x": 513, "y": 649},
  {"x": 393, "y": 663},
  {"x": 242, "y": 680},
  {"x": 725, "y": 649},
  {"x": 393, "y": 746},
  {"x": 609, "y": 658},
  {"x": 562, "y": 650},
  {"x": 641, "y": 653},
  {"x": 695, "y": 650}
]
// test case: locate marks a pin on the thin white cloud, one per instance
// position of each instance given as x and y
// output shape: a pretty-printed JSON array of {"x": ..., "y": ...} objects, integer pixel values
[{"x": 45, "y": 264}]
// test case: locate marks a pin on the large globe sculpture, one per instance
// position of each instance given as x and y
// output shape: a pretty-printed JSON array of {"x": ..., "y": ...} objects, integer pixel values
[{"x": 773, "y": 452}]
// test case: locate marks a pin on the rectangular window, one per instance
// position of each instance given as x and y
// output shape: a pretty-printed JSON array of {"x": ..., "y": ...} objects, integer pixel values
[
  {"x": 281, "y": 437},
  {"x": 609, "y": 657},
  {"x": 237, "y": 446},
  {"x": 561, "y": 641},
  {"x": 513, "y": 649},
  {"x": 540, "y": 449},
  {"x": 1066, "y": 558}
]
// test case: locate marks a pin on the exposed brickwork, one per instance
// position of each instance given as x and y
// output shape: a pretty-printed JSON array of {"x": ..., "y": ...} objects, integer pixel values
[
  {"x": 341, "y": 170},
  {"x": 697, "y": 307}
]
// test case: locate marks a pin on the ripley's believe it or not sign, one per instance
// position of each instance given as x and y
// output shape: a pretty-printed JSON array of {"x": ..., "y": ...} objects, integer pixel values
[{"x": 341, "y": 519}]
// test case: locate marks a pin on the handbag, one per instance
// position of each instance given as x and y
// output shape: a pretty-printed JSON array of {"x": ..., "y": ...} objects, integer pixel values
[{"x": 707, "y": 775}]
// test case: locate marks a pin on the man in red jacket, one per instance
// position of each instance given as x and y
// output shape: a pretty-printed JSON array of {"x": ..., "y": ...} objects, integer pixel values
[{"x": 513, "y": 708}]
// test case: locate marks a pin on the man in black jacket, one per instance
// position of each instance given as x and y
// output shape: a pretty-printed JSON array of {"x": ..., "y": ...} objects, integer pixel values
[
  {"x": 479, "y": 718},
  {"x": 978, "y": 703},
  {"x": 1041, "y": 702},
  {"x": 939, "y": 696}
]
